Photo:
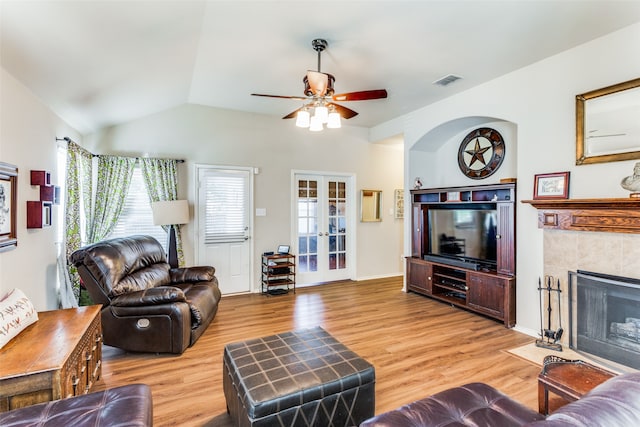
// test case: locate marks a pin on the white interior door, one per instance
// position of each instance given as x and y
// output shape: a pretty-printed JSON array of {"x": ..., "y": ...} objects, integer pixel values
[
  {"x": 224, "y": 225},
  {"x": 323, "y": 219}
]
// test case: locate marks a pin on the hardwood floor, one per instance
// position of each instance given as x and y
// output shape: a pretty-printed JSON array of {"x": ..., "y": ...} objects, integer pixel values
[{"x": 418, "y": 347}]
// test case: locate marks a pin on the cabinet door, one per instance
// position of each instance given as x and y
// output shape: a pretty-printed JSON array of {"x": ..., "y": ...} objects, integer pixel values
[
  {"x": 419, "y": 276},
  {"x": 506, "y": 257},
  {"x": 417, "y": 249},
  {"x": 486, "y": 294}
]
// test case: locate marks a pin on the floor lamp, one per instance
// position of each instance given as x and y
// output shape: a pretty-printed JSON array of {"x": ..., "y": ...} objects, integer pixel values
[{"x": 171, "y": 213}]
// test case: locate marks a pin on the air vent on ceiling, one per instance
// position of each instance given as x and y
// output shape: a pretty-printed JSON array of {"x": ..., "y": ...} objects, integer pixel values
[{"x": 446, "y": 80}]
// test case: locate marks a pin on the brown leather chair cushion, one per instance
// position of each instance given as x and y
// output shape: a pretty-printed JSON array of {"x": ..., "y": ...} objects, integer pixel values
[
  {"x": 473, "y": 404},
  {"x": 613, "y": 403},
  {"x": 129, "y": 405}
]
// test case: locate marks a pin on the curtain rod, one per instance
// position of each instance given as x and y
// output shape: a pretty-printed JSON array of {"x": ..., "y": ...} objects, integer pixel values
[{"x": 67, "y": 139}]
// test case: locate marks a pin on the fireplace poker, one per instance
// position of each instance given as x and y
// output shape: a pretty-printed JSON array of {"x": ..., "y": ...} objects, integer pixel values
[{"x": 560, "y": 331}]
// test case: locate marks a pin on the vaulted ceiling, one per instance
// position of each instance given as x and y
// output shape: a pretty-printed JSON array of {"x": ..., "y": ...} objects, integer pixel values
[{"x": 99, "y": 63}]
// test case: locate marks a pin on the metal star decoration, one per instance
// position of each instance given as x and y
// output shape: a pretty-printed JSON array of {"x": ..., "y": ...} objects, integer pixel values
[{"x": 477, "y": 153}]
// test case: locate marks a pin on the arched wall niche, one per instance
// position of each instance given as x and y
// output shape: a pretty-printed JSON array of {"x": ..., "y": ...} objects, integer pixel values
[{"x": 433, "y": 157}]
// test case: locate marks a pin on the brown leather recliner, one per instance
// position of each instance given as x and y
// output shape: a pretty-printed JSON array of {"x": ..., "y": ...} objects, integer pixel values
[{"x": 146, "y": 305}]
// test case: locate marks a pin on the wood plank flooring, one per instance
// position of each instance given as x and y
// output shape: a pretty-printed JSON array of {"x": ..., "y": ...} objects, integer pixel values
[{"x": 418, "y": 347}]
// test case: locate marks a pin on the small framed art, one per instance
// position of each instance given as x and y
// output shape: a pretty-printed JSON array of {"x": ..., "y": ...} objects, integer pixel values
[
  {"x": 453, "y": 196},
  {"x": 399, "y": 203},
  {"x": 8, "y": 202},
  {"x": 551, "y": 186}
]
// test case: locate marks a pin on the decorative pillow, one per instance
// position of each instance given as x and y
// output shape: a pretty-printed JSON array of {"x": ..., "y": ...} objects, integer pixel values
[{"x": 16, "y": 313}]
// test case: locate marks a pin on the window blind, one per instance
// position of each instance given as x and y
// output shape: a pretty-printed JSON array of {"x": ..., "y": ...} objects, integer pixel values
[{"x": 226, "y": 195}]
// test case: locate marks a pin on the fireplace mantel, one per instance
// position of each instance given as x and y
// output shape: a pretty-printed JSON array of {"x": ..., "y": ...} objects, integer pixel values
[{"x": 607, "y": 215}]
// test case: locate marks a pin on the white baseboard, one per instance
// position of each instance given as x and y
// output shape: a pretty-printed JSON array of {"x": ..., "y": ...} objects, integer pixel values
[
  {"x": 531, "y": 332},
  {"x": 382, "y": 276}
]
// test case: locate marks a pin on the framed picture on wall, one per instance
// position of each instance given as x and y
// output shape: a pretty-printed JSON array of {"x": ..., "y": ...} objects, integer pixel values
[
  {"x": 8, "y": 202},
  {"x": 399, "y": 203},
  {"x": 551, "y": 186}
]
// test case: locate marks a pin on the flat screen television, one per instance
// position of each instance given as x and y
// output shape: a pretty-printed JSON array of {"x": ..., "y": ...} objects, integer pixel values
[{"x": 462, "y": 234}]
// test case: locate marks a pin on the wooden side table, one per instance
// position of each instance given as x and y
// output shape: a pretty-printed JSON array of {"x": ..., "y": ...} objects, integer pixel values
[
  {"x": 58, "y": 356},
  {"x": 569, "y": 380}
]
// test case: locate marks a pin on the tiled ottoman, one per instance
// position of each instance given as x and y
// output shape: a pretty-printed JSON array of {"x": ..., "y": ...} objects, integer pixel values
[{"x": 299, "y": 378}]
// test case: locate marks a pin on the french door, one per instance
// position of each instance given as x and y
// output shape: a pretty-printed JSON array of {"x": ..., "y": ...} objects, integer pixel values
[
  {"x": 224, "y": 225},
  {"x": 323, "y": 223}
]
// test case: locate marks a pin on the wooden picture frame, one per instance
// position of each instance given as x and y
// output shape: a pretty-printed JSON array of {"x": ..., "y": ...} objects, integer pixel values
[
  {"x": 8, "y": 206},
  {"x": 551, "y": 186}
]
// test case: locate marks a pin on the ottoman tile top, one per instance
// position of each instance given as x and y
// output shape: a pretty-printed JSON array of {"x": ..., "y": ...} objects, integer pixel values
[{"x": 292, "y": 368}]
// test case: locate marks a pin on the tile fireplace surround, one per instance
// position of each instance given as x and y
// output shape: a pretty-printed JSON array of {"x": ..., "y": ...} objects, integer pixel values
[
  {"x": 607, "y": 253},
  {"x": 596, "y": 235}
]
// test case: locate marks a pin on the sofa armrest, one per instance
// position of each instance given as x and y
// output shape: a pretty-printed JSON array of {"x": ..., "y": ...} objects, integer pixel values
[
  {"x": 153, "y": 296},
  {"x": 192, "y": 274}
]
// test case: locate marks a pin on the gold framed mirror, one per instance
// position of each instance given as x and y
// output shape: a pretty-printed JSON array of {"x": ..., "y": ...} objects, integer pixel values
[
  {"x": 371, "y": 205},
  {"x": 607, "y": 125}
]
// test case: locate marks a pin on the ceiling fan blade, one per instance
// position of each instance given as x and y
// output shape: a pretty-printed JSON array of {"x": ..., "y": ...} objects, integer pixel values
[
  {"x": 344, "y": 112},
  {"x": 292, "y": 114},
  {"x": 362, "y": 95},
  {"x": 318, "y": 82},
  {"x": 299, "y": 98}
]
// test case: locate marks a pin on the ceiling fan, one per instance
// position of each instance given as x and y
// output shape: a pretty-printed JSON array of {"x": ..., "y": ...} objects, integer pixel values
[{"x": 318, "y": 88}]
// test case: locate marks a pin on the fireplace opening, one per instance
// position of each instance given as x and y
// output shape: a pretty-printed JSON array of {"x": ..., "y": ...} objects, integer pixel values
[{"x": 604, "y": 316}]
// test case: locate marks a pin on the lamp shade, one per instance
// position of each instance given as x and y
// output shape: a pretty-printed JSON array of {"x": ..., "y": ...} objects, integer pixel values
[{"x": 169, "y": 212}]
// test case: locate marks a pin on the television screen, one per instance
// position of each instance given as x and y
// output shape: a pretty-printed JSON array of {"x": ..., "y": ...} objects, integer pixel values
[{"x": 468, "y": 233}]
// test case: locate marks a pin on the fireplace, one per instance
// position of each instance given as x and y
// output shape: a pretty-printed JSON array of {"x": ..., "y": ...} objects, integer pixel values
[{"x": 604, "y": 316}]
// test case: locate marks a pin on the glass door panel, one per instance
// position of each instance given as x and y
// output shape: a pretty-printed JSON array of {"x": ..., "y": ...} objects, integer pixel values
[{"x": 307, "y": 207}]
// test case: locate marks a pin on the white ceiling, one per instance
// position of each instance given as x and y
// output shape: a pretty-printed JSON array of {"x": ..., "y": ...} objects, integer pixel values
[{"x": 99, "y": 63}]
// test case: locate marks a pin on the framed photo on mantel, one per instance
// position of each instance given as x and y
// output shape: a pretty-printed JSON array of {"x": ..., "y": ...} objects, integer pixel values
[
  {"x": 551, "y": 186},
  {"x": 8, "y": 205}
]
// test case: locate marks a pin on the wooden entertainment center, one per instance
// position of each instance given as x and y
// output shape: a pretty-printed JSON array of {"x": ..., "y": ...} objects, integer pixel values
[{"x": 487, "y": 288}]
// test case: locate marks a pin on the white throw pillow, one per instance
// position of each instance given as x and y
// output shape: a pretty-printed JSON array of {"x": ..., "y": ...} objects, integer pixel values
[{"x": 16, "y": 313}]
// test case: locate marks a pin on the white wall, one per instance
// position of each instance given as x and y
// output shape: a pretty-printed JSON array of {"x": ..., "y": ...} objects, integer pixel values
[
  {"x": 539, "y": 100},
  {"x": 28, "y": 130},
  {"x": 204, "y": 135}
]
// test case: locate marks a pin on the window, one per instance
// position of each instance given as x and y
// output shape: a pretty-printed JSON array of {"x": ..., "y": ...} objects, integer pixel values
[{"x": 136, "y": 216}]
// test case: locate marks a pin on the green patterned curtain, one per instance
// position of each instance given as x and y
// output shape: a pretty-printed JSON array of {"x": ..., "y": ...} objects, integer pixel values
[
  {"x": 161, "y": 179},
  {"x": 77, "y": 205},
  {"x": 114, "y": 177}
]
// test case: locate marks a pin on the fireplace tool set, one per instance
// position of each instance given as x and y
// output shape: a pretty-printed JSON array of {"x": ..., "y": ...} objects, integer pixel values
[{"x": 549, "y": 338}]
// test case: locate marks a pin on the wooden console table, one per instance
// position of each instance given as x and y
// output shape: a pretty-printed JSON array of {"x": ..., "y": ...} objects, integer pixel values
[
  {"x": 56, "y": 357},
  {"x": 568, "y": 379}
]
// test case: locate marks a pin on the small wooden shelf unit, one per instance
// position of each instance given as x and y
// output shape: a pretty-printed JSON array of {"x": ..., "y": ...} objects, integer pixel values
[
  {"x": 490, "y": 292},
  {"x": 278, "y": 273},
  {"x": 58, "y": 356}
]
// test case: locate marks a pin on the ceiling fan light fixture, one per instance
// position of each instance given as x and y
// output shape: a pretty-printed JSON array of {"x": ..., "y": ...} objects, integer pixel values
[
  {"x": 318, "y": 109},
  {"x": 322, "y": 113},
  {"x": 334, "y": 121},
  {"x": 303, "y": 118},
  {"x": 315, "y": 124}
]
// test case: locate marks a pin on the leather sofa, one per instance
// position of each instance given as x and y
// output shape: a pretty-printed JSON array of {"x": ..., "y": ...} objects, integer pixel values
[
  {"x": 615, "y": 402},
  {"x": 129, "y": 405},
  {"x": 147, "y": 306}
]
